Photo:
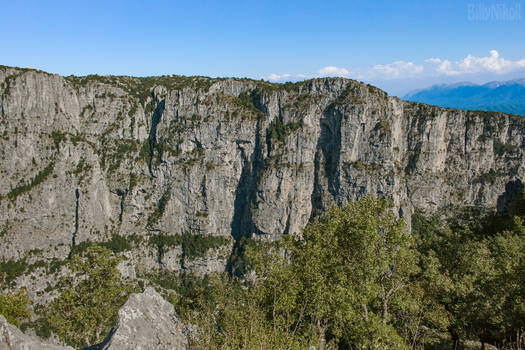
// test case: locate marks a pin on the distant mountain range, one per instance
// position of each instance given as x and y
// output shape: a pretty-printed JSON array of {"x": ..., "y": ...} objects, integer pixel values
[{"x": 506, "y": 96}]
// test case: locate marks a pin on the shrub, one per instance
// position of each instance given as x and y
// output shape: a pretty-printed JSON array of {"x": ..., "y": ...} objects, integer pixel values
[
  {"x": 195, "y": 246},
  {"x": 159, "y": 211},
  {"x": 58, "y": 137},
  {"x": 501, "y": 148},
  {"x": 11, "y": 269},
  {"x": 15, "y": 306},
  {"x": 83, "y": 314},
  {"x": 38, "y": 179},
  {"x": 278, "y": 131}
]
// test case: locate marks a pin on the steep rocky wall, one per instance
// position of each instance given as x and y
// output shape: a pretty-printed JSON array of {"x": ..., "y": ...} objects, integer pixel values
[{"x": 88, "y": 158}]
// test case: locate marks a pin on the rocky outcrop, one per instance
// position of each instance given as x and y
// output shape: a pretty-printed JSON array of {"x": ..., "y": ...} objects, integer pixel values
[
  {"x": 146, "y": 321},
  {"x": 11, "y": 338},
  {"x": 182, "y": 167}
]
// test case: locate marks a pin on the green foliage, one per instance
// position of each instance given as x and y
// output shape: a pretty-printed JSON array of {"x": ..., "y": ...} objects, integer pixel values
[
  {"x": 42, "y": 328},
  {"x": 37, "y": 180},
  {"x": 116, "y": 244},
  {"x": 83, "y": 313},
  {"x": 81, "y": 247},
  {"x": 165, "y": 241},
  {"x": 82, "y": 169},
  {"x": 152, "y": 151},
  {"x": 11, "y": 269},
  {"x": 80, "y": 138},
  {"x": 237, "y": 320},
  {"x": 360, "y": 165},
  {"x": 357, "y": 279},
  {"x": 141, "y": 88},
  {"x": 278, "y": 131},
  {"x": 265, "y": 87},
  {"x": 85, "y": 109},
  {"x": 246, "y": 103},
  {"x": 346, "y": 283},
  {"x": 5, "y": 229},
  {"x": 8, "y": 80},
  {"x": 479, "y": 264},
  {"x": 55, "y": 265},
  {"x": 502, "y": 149},
  {"x": 115, "y": 152},
  {"x": 132, "y": 182},
  {"x": 163, "y": 147},
  {"x": 371, "y": 260},
  {"x": 159, "y": 210},
  {"x": 196, "y": 245},
  {"x": 58, "y": 137},
  {"x": 240, "y": 263},
  {"x": 150, "y": 107},
  {"x": 145, "y": 151},
  {"x": 383, "y": 127},
  {"x": 192, "y": 293},
  {"x": 343, "y": 97},
  {"x": 14, "y": 306},
  {"x": 193, "y": 245},
  {"x": 491, "y": 176}
]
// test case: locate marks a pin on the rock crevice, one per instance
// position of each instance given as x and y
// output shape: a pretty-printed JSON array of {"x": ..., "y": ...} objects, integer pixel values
[{"x": 240, "y": 157}]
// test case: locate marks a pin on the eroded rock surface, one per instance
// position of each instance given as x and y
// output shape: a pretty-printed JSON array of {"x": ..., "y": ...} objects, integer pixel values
[
  {"x": 11, "y": 338},
  {"x": 157, "y": 159},
  {"x": 147, "y": 321}
]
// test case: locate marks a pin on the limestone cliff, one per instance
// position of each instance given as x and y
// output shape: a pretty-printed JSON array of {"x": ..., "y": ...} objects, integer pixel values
[{"x": 169, "y": 162}]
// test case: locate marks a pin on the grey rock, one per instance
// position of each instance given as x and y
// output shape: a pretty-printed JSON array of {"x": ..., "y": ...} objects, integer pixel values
[
  {"x": 206, "y": 157},
  {"x": 11, "y": 338},
  {"x": 147, "y": 321}
]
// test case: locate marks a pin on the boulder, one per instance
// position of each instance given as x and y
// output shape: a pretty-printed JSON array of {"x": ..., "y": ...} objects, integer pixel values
[
  {"x": 12, "y": 338},
  {"x": 147, "y": 321}
]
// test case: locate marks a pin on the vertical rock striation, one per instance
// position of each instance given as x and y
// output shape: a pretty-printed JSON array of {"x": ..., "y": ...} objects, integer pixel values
[{"x": 190, "y": 159}]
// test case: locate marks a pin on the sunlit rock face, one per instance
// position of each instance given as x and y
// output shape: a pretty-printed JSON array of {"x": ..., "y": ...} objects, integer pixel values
[
  {"x": 157, "y": 162},
  {"x": 147, "y": 321}
]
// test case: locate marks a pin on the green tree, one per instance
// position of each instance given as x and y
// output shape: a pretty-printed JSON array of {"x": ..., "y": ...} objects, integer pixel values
[
  {"x": 84, "y": 313},
  {"x": 237, "y": 319},
  {"x": 346, "y": 280},
  {"x": 478, "y": 272}
]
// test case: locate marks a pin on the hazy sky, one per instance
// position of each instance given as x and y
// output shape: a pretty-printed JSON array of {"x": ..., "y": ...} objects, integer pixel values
[{"x": 396, "y": 45}]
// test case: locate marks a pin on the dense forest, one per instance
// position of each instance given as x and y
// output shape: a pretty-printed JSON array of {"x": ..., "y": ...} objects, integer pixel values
[{"x": 356, "y": 278}]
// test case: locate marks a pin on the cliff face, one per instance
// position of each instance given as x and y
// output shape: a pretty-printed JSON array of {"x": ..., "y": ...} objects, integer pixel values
[{"x": 173, "y": 161}]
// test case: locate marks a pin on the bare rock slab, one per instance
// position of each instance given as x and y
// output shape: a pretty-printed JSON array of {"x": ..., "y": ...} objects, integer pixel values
[
  {"x": 11, "y": 338},
  {"x": 147, "y": 321}
]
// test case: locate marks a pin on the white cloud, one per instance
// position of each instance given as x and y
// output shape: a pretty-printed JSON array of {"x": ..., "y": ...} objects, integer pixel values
[
  {"x": 328, "y": 71},
  {"x": 433, "y": 60},
  {"x": 331, "y": 71},
  {"x": 286, "y": 77},
  {"x": 395, "y": 70},
  {"x": 472, "y": 64},
  {"x": 433, "y": 67}
]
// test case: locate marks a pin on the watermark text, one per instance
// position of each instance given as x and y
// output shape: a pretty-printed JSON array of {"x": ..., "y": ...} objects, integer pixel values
[{"x": 500, "y": 12}]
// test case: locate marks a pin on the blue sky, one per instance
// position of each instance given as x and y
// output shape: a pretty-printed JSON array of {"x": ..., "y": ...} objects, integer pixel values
[{"x": 396, "y": 45}]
